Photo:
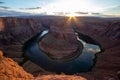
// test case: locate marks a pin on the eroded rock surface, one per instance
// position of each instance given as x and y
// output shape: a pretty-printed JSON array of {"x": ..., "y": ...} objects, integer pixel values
[
  {"x": 60, "y": 77},
  {"x": 10, "y": 70},
  {"x": 61, "y": 43}
]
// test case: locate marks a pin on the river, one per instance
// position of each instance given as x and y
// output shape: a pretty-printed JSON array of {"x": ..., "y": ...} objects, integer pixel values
[{"x": 84, "y": 62}]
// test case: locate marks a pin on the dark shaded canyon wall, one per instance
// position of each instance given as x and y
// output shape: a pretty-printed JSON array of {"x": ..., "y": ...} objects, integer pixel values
[
  {"x": 14, "y": 32},
  {"x": 105, "y": 31}
]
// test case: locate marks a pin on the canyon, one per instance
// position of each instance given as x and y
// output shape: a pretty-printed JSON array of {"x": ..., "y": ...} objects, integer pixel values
[{"x": 15, "y": 31}]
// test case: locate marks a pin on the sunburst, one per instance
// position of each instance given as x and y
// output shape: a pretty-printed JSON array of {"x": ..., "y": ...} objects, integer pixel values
[{"x": 72, "y": 17}]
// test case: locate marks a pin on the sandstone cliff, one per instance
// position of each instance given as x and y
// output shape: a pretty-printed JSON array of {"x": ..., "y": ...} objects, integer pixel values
[{"x": 10, "y": 70}]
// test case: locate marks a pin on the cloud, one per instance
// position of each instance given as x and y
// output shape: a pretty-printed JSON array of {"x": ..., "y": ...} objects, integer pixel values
[
  {"x": 4, "y": 13},
  {"x": 2, "y": 2},
  {"x": 81, "y": 12},
  {"x": 5, "y": 7},
  {"x": 110, "y": 7},
  {"x": 32, "y": 8},
  {"x": 112, "y": 10}
]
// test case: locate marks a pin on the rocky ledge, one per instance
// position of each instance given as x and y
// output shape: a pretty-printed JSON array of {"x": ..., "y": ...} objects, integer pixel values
[
  {"x": 60, "y": 77},
  {"x": 10, "y": 70}
]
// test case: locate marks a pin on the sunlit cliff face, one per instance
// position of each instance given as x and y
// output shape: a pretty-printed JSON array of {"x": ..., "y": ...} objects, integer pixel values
[{"x": 1, "y": 25}]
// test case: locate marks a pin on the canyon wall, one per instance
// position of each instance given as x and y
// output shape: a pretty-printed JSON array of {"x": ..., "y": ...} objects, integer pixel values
[{"x": 14, "y": 32}]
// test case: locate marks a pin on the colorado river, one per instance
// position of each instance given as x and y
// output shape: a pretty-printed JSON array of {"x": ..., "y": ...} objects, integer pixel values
[{"x": 83, "y": 62}]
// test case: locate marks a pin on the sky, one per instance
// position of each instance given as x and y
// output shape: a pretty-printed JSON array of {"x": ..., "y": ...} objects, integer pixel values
[{"x": 60, "y": 7}]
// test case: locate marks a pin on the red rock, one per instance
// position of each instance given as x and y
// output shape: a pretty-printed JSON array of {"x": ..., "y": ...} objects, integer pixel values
[
  {"x": 60, "y": 77},
  {"x": 10, "y": 70},
  {"x": 1, "y": 55}
]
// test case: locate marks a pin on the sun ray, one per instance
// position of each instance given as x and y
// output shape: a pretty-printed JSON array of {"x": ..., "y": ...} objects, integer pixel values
[{"x": 73, "y": 19}]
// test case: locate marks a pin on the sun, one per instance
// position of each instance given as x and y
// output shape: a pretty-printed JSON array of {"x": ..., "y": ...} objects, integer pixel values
[
  {"x": 71, "y": 14},
  {"x": 72, "y": 17}
]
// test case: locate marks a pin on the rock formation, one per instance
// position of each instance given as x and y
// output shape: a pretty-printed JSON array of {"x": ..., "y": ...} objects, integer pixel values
[
  {"x": 10, "y": 70},
  {"x": 60, "y": 77},
  {"x": 61, "y": 43}
]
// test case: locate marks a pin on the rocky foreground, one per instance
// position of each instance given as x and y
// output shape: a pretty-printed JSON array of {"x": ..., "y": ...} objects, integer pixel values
[
  {"x": 14, "y": 32},
  {"x": 10, "y": 70}
]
